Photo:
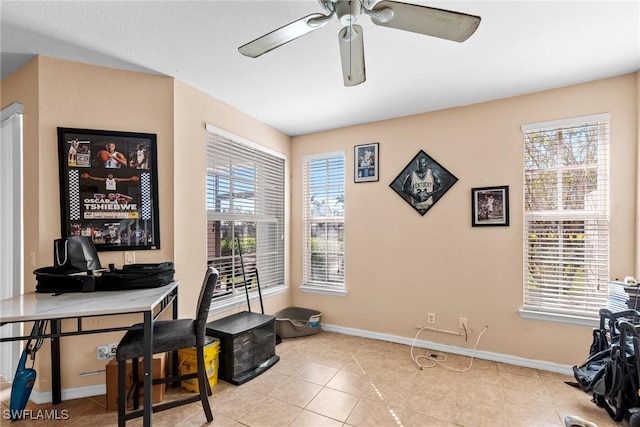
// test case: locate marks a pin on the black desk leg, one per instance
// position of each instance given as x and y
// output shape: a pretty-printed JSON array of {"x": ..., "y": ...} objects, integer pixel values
[
  {"x": 56, "y": 394},
  {"x": 147, "y": 397}
]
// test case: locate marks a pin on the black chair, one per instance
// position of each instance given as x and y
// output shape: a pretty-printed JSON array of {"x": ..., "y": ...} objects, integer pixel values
[{"x": 168, "y": 336}]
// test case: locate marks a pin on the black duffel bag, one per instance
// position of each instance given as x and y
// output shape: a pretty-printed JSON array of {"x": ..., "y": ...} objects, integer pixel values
[
  {"x": 132, "y": 276},
  {"x": 137, "y": 276},
  {"x": 57, "y": 280}
]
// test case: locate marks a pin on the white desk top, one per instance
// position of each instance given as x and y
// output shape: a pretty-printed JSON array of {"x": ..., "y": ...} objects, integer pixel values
[{"x": 42, "y": 306}]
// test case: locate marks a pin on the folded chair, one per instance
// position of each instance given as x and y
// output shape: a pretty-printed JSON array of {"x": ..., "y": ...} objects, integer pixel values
[{"x": 168, "y": 336}]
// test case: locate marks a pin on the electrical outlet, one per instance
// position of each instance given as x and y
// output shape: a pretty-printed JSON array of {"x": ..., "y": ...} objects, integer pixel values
[
  {"x": 106, "y": 351},
  {"x": 103, "y": 352},
  {"x": 431, "y": 318},
  {"x": 129, "y": 257},
  {"x": 463, "y": 324}
]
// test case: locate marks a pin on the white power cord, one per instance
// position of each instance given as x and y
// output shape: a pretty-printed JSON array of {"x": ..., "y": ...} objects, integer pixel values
[{"x": 438, "y": 359}]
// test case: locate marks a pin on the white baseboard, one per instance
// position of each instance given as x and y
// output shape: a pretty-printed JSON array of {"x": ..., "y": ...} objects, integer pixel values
[
  {"x": 69, "y": 393},
  {"x": 479, "y": 354}
]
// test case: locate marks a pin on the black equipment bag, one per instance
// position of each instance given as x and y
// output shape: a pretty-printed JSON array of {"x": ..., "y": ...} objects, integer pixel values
[
  {"x": 57, "y": 280},
  {"x": 605, "y": 336},
  {"x": 617, "y": 391},
  {"x": 592, "y": 370},
  {"x": 132, "y": 276},
  {"x": 610, "y": 372},
  {"x": 138, "y": 276}
]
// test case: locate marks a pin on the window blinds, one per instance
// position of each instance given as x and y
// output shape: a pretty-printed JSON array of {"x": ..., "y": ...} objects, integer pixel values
[
  {"x": 323, "y": 204},
  {"x": 566, "y": 216},
  {"x": 245, "y": 205}
]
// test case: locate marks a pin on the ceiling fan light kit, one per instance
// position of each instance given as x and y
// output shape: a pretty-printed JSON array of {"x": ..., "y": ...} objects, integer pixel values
[{"x": 440, "y": 23}]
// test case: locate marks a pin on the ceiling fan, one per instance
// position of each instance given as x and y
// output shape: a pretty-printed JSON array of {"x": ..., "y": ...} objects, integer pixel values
[{"x": 444, "y": 24}]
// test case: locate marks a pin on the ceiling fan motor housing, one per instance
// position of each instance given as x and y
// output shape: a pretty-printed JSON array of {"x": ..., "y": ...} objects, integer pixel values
[{"x": 348, "y": 11}]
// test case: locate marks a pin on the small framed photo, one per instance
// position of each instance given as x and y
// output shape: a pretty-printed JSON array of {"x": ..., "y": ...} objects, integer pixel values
[
  {"x": 490, "y": 206},
  {"x": 365, "y": 159}
]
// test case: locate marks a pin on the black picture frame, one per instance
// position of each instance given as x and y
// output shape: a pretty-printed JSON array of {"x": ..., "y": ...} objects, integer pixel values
[
  {"x": 365, "y": 163},
  {"x": 423, "y": 192},
  {"x": 490, "y": 206},
  {"x": 109, "y": 188}
]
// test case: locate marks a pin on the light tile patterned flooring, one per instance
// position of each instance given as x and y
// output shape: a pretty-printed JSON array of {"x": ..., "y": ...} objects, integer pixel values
[{"x": 329, "y": 379}]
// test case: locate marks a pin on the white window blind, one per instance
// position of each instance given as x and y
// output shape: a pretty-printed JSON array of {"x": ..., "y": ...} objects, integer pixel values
[
  {"x": 323, "y": 200},
  {"x": 566, "y": 216},
  {"x": 245, "y": 213}
]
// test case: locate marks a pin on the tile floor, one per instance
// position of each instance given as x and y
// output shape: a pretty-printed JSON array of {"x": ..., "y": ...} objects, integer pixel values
[{"x": 330, "y": 379}]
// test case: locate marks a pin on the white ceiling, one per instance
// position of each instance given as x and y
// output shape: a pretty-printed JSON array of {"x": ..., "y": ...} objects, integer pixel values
[{"x": 520, "y": 47}]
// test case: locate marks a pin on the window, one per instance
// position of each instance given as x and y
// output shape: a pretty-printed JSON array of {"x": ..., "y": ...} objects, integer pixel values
[
  {"x": 11, "y": 226},
  {"x": 323, "y": 217},
  {"x": 245, "y": 213},
  {"x": 566, "y": 217}
]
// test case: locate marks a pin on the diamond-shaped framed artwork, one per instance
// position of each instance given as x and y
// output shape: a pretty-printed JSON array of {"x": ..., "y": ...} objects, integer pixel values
[{"x": 422, "y": 182}]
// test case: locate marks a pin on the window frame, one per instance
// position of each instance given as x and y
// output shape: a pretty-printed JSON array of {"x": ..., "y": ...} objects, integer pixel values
[
  {"x": 308, "y": 220},
  {"x": 563, "y": 218},
  {"x": 243, "y": 149}
]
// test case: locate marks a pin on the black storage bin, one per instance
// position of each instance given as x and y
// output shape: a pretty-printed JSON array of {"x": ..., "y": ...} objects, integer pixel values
[{"x": 247, "y": 345}]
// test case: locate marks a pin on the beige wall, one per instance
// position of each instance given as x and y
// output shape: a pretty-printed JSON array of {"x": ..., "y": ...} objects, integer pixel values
[
  {"x": 193, "y": 110},
  {"x": 400, "y": 265},
  {"x": 57, "y": 93}
]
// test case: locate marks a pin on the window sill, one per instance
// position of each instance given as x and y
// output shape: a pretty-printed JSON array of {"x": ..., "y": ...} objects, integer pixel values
[
  {"x": 558, "y": 318},
  {"x": 322, "y": 290},
  {"x": 239, "y": 300}
]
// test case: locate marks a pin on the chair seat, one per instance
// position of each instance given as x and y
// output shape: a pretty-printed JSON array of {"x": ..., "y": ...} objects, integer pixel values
[{"x": 168, "y": 335}]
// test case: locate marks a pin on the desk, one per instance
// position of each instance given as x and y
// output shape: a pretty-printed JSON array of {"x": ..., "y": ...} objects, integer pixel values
[{"x": 55, "y": 307}]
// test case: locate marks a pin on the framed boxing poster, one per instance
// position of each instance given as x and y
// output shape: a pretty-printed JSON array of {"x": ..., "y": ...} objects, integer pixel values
[{"x": 109, "y": 188}]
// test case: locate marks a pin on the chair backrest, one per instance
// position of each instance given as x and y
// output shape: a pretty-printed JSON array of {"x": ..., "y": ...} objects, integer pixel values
[{"x": 204, "y": 302}]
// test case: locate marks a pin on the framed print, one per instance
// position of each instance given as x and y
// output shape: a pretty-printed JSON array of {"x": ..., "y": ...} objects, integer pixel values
[
  {"x": 490, "y": 206},
  {"x": 366, "y": 163},
  {"x": 422, "y": 182},
  {"x": 109, "y": 188}
]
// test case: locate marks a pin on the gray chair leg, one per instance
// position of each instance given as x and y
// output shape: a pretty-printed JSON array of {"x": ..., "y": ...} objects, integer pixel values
[{"x": 203, "y": 383}]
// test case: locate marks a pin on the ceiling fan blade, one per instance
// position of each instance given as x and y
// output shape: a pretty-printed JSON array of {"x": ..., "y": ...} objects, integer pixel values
[
  {"x": 352, "y": 55},
  {"x": 284, "y": 34},
  {"x": 444, "y": 24}
]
